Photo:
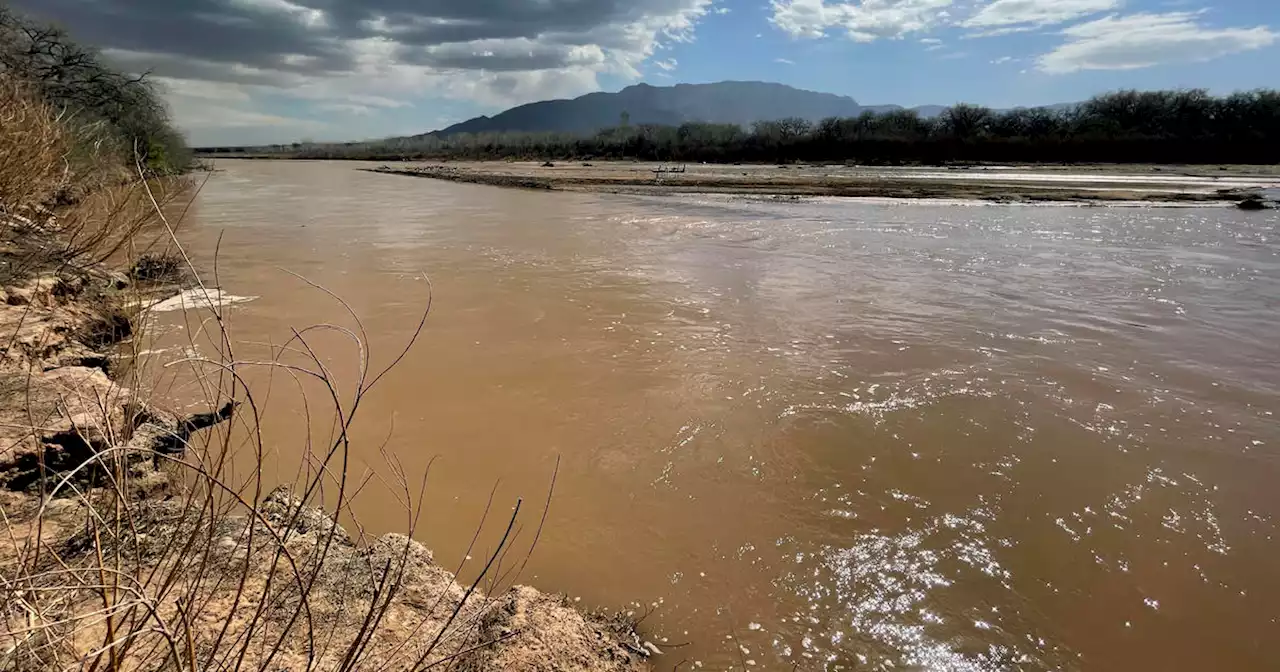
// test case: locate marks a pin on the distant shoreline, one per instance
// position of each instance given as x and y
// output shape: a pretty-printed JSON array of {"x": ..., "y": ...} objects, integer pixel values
[{"x": 1085, "y": 184}]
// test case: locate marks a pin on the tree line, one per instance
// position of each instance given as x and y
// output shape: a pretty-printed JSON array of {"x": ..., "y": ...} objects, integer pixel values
[
  {"x": 105, "y": 107},
  {"x": 1188, "y": 126}
]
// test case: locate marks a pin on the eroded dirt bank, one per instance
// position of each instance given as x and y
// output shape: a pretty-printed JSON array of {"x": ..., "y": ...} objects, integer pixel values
[
  {"x": 1039, "y": 184},
  {"x": 108, "y": 551}
]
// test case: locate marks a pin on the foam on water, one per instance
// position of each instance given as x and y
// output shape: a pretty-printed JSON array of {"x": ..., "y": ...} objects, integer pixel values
[{"x": 198, "y": 299}]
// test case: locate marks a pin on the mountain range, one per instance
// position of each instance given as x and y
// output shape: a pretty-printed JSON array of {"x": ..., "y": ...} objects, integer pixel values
[{"x": 723, "y": 102}]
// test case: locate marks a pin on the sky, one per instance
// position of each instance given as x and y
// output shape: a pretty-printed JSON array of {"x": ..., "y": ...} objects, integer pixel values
[{"x": 267, "y": 71}]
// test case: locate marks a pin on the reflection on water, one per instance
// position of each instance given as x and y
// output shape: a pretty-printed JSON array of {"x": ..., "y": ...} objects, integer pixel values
[{"x": 821, "y": 434}]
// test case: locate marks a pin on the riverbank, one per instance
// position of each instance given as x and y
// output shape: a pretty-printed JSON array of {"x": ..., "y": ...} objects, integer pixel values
[
  {"x": 1178, "y": 184},
  {"x": 127, "y": 542}
]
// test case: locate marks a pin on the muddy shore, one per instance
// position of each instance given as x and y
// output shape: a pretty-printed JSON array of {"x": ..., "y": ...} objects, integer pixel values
[{"x": 1177, "y": 184}]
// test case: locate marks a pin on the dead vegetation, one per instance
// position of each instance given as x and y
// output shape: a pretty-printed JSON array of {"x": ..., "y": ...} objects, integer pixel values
[
  {"x": 32, "y": 147},
  {"x": 152, "y": 267},
  {"x": 127, "y": 542}
]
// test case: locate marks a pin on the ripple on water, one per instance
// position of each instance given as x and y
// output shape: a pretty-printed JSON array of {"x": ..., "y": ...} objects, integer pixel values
[
  {"x": 876, "y": 400},
  {"x": 1054, "y": 425}
]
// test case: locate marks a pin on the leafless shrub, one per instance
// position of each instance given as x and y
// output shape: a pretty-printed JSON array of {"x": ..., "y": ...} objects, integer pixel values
[{"x": 223, "y": 574}]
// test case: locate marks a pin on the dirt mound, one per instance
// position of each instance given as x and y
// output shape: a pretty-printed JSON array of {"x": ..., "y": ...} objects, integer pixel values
[
  {"x": 257, "y": 567},
  {"x": 544, "y": 633}
]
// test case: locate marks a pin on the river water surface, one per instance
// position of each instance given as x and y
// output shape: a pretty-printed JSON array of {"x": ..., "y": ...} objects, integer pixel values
[{"x": 819, "y": 434}]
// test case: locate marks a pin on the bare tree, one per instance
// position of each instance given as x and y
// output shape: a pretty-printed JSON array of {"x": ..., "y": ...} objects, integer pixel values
[{"x": 75, "y": 79}]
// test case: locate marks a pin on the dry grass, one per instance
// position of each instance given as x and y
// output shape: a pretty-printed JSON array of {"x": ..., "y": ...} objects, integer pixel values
[
  {"x": 64, "y": 199},
  {"x": 33, "y": 150}
]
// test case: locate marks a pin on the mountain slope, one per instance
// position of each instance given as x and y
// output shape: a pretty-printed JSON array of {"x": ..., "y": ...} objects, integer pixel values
[{"x": 722, "y": 102}]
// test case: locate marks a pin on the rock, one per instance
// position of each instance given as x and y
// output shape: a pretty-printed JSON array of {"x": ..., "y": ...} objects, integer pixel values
[
  {"x": 116, "y": 280},
  {"x": 48, "y": 317},
  {"x": 285, "y": 511},
  {"x": 45, "y": 291},
  {"x": 64, "y": 414},
  {"x": 80, "y": 356},
  {"x": 394, "y": 545},
  {"x": 147, "y": 480},
  {"x": 168, "y": 434},
  {"x": 19, "y": 296},
  {"x": 1253, "y": 203},
  {"x": 67, "y": 287},
  {"x": 105, "y": 328},
  {"x": 90, "y": 428},
  {"x": 70, "y": 413},
  {"x": 550, "y": 635},
  {"x": 58, "y": 507}
]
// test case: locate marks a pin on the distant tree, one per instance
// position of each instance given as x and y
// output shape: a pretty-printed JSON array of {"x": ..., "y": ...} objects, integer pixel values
[
  {"x": 794, "y": 127},
  {"x": 1126, "y": 126},
  {"x": 966, "y": 122}
]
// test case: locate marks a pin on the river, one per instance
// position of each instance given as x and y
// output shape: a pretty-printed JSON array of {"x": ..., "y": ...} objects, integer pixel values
[{"x": 820, "y": 434}]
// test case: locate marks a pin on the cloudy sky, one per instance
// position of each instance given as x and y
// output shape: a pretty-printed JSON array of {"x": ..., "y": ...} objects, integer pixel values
[{"x": 252, "y": 71}]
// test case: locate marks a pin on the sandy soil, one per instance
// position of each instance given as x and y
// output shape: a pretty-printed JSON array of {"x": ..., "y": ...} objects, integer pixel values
[{"x": 996, "y": 183}]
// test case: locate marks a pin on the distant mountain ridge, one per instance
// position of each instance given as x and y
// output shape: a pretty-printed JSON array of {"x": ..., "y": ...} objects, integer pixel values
[{"x": 723, "y": 102}]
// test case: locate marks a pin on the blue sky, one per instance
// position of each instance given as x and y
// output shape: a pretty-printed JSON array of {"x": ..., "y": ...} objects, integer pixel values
[
  {"x": 254, "y": 71},
  {"x": 999, "y": 70}
]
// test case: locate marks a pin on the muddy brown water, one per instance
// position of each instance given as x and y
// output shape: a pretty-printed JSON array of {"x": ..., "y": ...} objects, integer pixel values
[{"x": 824, "y": 434}]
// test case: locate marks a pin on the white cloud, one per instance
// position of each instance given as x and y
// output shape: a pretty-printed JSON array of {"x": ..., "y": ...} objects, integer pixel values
[
  {"x": 722, "y": 10},
  {"x": 861, "y": 20},
  {"x": 250, "y": 59},
  {"x": 346, "y": 108},
  {"x": 1005, "y": 30},
  {"x": 304, "y": 15},
  {"x": 784, "y": 61},
  {"x": 1007, "y": 16},
  {"x": 383, "y": 77},
  {"x": 499, "y": 89},
  {"x": 668, "y": 65},
  {"x": 1143, "y": 40},
  {"x": 201, "y": 108},
  {"x": 194, "y": 88},
  {"x": 1002, "y": 60}
]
